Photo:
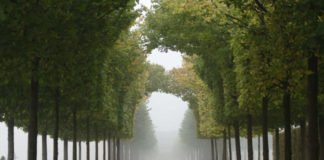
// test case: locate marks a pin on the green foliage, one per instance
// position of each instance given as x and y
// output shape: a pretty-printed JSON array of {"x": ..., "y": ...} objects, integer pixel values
[
  {"x": 158, "y": 80},
  {"x": 243, "y": 50},
  {"x": 89, "y": 64},
  {"x": 186, "y": 84}
]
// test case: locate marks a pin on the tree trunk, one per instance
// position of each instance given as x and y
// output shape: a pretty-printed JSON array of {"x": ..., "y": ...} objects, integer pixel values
[
  {"x": 224, "y": 145},
  {"x": 44, "y": 145},
  {"x": 212, "y": 149},
  {"x": 287, "y": 117},
  {"x": 109, "y": 148},
  {"x": 118, "y": 149},
  {"x": 249, "y": 137},
  {"x": 33, "y": 111},
  {"x": 114, "y": 149},
  {"x": 313, "y": 141},
  {"x": 198, "y": 154},
  {"x": 74, "y": 152},
  {"x": 56, "y": 123},
  {"x": 66, "y": 149},
  {"x": 321, "y": 131},
  {"x": 229, "y": 143},
  {"x": 277, "y": 144},
  {"x": 88, "y": 139},
  {"x": 195, "y": 154},
  {"x": 302, "y": 139},
  {"x": 265, "y": 131},
  {"x": 104, "y": 148},
  {"x": 128, "y": 150},
  {"x": 259, "y": 150},
  {"x": 237, "y": 140},
  {"x": 80, "y": 150},
  {"x": 11, "y": 140},
  {"x": 96, "y": 139},
  {"x": 121, "y": 148},
  {"x": 216, "y": 149}
]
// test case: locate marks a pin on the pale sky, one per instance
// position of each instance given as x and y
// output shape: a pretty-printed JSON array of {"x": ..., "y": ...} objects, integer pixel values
[
  {"x": 146, "y": 3},
  {"x": 168, "y": 60}
]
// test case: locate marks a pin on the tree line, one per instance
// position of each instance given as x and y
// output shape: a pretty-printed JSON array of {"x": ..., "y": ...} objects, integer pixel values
[
  {"x": 71, "y": 70},
  {"x": 261, "y": 62}
]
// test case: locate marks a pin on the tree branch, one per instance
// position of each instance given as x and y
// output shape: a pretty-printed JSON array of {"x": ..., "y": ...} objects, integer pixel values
[
  {"x": 261, "y": 6},
  {"x": 238, "y": 21}
]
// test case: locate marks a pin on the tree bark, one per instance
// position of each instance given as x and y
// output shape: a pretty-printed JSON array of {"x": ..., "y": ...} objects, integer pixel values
[
  {"x": 121, "y": 148},
  {"x": 321, "y": 131},
  {"x": 56, "y": 123},
  {"x": 313, "y": 141},
  {"x": 33, "y": 111},
  {"x": 277, "y": 145},
  {"x": 118, "y": 149},
  {"x": 237, "y": 140},
  {"x": 44, "y": 145},
  {"x": 114, "y": 149},
  {"x": 66, "y": 149},
  {"x": 212, "y": 149},
  {"x": 80, "y": 150},
  {"x": 249, "y": 137},
  {"x": 265, "y": 139},
  {"x": 129, "y": 151},
  {"x": 259, "y": 150},
  {"x": 74, "y": 152},
  {"x": 104, "y": 148},
  {"x": 229, "y": 143},
  {"x": 287, "y": 115},
  {"x": 216, "y": 149},
  {"x": 302, "y": 139},
  {"x": 88, "y": 139},
  {"x": 96, "y": 139},
  {"x": 109, "y": 148},
  {"x": 11, "y": 140},
  {"x": 224, "y": 145}
]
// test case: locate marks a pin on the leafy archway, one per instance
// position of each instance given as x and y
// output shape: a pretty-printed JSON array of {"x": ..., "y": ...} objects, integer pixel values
[{"x": 254, "y": 57}]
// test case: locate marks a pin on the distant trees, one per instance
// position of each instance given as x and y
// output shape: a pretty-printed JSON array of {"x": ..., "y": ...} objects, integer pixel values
[
  {"x": 191, "y": 145},
  {"x": 143, "y": 144}
]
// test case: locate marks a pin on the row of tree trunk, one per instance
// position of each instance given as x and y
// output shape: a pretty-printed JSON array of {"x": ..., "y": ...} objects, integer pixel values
[
  {"x": 226, "y": 152},
  {"x": 199, "y": 151},
  {"x": 128, "y": 151},
  {"x": 114, "y": 150},
  {"x": 299, "y": 143},
  {"x": 287, "y": 154},
  {"x": 312, "y": 135}
]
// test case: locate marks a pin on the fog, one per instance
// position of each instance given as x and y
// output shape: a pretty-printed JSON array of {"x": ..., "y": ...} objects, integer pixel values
[{"x": 167, "y": 113}]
